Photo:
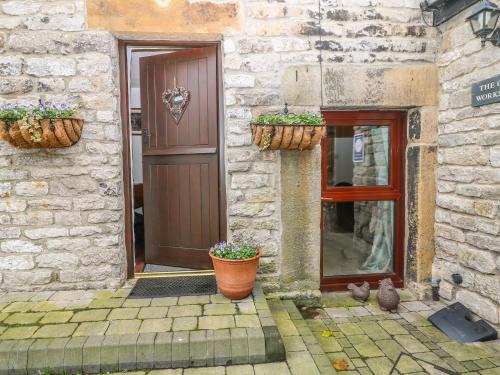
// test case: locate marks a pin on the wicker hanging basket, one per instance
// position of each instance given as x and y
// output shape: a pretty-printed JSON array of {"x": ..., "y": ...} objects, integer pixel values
[
  {"x": 287, "y": 137},
  {"x": 54, "y": 133}
]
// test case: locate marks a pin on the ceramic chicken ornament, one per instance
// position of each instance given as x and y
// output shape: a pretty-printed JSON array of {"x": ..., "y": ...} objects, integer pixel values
[
  {"x": 387, "y": 296},
  {"x": 360, "y": 293}
]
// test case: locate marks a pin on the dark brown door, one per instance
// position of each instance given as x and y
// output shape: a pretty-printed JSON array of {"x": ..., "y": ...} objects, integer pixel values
[{"x": 180, "y": 160}]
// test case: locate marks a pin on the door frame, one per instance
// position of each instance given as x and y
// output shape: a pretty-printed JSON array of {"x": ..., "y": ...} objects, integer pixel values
[
  {"x": 397, "y": 180},
  {"x": 123, "y": 44}
]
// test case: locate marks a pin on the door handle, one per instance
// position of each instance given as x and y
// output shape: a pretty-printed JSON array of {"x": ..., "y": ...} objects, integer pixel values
[{"x": 145, "y": 136}]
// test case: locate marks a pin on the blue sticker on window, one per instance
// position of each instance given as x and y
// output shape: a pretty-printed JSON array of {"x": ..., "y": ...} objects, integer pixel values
[{"x": 358, "y": 148}]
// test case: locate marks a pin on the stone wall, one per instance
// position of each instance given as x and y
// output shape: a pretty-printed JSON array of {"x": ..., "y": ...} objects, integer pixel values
[
  {"x": 58, "y": 206},
  {"x": 60, "y": 210},
  {"x": 467, "y": 218},
  {"x": 364, "y": 46}
]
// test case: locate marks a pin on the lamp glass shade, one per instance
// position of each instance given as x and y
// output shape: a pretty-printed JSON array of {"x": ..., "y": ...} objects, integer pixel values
[{"x": 484, "y": 20}]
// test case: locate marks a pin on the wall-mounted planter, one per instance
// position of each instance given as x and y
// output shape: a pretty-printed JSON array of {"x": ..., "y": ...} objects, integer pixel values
[
  {"x": 287, "y": 137},
  {"x": 54, "y": 133}
]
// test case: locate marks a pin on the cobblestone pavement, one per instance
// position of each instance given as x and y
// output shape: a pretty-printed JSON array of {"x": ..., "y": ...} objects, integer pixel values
[
  {"x": 341, "y": 337},
  {"x": 370, "y": 340},
  {"x": 367, "y": 339}
]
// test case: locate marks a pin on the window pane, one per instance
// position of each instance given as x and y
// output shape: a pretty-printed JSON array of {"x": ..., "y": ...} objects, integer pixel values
[
  {"x": 358, "y": 156},
  {"x": 358, "y": 237}
]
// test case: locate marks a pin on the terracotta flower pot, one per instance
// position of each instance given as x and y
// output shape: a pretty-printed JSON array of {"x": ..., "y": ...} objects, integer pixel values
[{"x": 236, "y": 278}]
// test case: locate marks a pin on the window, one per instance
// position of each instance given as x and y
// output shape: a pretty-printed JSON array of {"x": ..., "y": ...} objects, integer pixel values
[{"x": 362, "y": 198}]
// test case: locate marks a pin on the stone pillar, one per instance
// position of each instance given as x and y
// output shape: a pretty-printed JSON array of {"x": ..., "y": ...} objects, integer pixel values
[{"x": 300, "y": 216}]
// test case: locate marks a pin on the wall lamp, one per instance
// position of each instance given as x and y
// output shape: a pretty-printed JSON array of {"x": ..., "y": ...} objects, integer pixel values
[{"x": 483, "y": 21}]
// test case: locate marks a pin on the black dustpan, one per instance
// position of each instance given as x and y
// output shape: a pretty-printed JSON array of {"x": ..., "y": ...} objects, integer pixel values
[{"x": 456, "y": 322}]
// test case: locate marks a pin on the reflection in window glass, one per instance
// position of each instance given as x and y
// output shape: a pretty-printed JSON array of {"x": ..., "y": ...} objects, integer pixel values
[
  {"x": 358, "y": 238},
  {"x": 358, "y": 155}
]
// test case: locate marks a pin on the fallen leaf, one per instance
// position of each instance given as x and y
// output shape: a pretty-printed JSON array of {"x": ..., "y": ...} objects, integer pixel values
[
  {"x": 341, "y": 365},
  {"x": 328, "y": 334}
]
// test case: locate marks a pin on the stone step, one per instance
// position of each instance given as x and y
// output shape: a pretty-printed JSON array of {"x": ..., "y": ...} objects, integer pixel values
[
  {"x": 142, "y": 351},
  {"x": 97, "y": 354}
]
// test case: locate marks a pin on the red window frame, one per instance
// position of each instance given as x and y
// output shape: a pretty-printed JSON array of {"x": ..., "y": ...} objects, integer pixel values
[{"x": 395, "y": 191}]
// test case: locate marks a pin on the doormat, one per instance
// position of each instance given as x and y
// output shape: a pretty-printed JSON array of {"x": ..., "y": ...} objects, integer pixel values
[{"x": 174, "y": 287}]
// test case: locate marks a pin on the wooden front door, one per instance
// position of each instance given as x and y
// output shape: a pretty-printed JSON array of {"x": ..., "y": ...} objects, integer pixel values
[{"x": 181, "y": 160}]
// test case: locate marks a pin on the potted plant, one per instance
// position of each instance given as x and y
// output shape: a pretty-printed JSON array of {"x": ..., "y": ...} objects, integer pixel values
[
  {"x": 235, "y": 268},
  {"x": 49, "y": 125},
  {"x": 288, "y": 131}
]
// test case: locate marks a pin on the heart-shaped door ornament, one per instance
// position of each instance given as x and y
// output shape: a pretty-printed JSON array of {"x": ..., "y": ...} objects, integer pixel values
[{"x": 176, "y": 100}]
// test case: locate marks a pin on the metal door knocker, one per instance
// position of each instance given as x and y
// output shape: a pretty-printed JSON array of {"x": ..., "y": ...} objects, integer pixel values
[{"x": 176, "y": 100}]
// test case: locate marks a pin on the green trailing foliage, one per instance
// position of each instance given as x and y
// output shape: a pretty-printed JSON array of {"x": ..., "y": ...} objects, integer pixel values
[
  {"x": 311, "y": 119},
  {"x": 235, "y": 251}
]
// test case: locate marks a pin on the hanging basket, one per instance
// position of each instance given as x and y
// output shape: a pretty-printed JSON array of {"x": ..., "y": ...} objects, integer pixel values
[
  {"x": 54, "y": 133},
  {"x": 287, "y": 137}
]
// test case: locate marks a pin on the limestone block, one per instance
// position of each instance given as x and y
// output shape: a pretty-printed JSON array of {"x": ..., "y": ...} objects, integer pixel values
[
  {"x": 74, "y": 185},
  {"x": 254, "y": 45},
  {"x": 10, "y": 22},
  {"x": 251, "y": 209},
  {"x": 10, "y": 65},
  {"x": 103, "y": 217},
  {"x": 32, "y": 188},
  {"x": 27, "y": 278},
  {"x": 56, "y": 22},
  {"x": 237, "y": 140},
  {"x": 466, "y": 155},
  {"x": 449, "y": 233},
  {"x": 20, "y": 8},
  {"x": 480, "y": 260},
  {"x": 60, "y": 7},
  {"x": 239, "y": 80},
  {"x": 49, "y": 232},
  {"x": 20, "y": 246},
  {"x": 69, "y": 244},
  {"x": 388, "y": 87},
  {"x": 10, "y": 232},
  {"x": 101, "y": 256},
  {"x": 52, "y": 204},
  {"x": 483, "y": 241},
  {"x": 455, "y": 203},
  {"x": 16, "y": 262},
  {"x": 57, "y": 260},
  {"x": 55, "y": 85},
  {"x": 487, "y": 285},
  {"x": 12, "y": 205},
  {"x": 33, "y": 218},
  {"x": 53, "y": 42},
  {"x": 88, "y": 230},
  {"x": 249, "y": 181},
  {"x": 300, "y": 85},
  {"x": 482, "y": 306},
  {"x": 68, "y": 218},
  {"x": 103, "y": 148},
  {"x": 89, "y": 203},
  {"x": 15, "y": 85},
  {"x": 495, "y": 156},
  {"x": 92, "y": 64},
  {"x": 91, "y": 273},
  {"x": 80, "y": 84},
  {"x": 5, "y": 189},
  {"x": 50, "y": 66}
]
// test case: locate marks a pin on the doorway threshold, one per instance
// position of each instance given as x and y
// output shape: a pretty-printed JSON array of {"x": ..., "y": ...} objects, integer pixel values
[{"x": 148, "y": 275}]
